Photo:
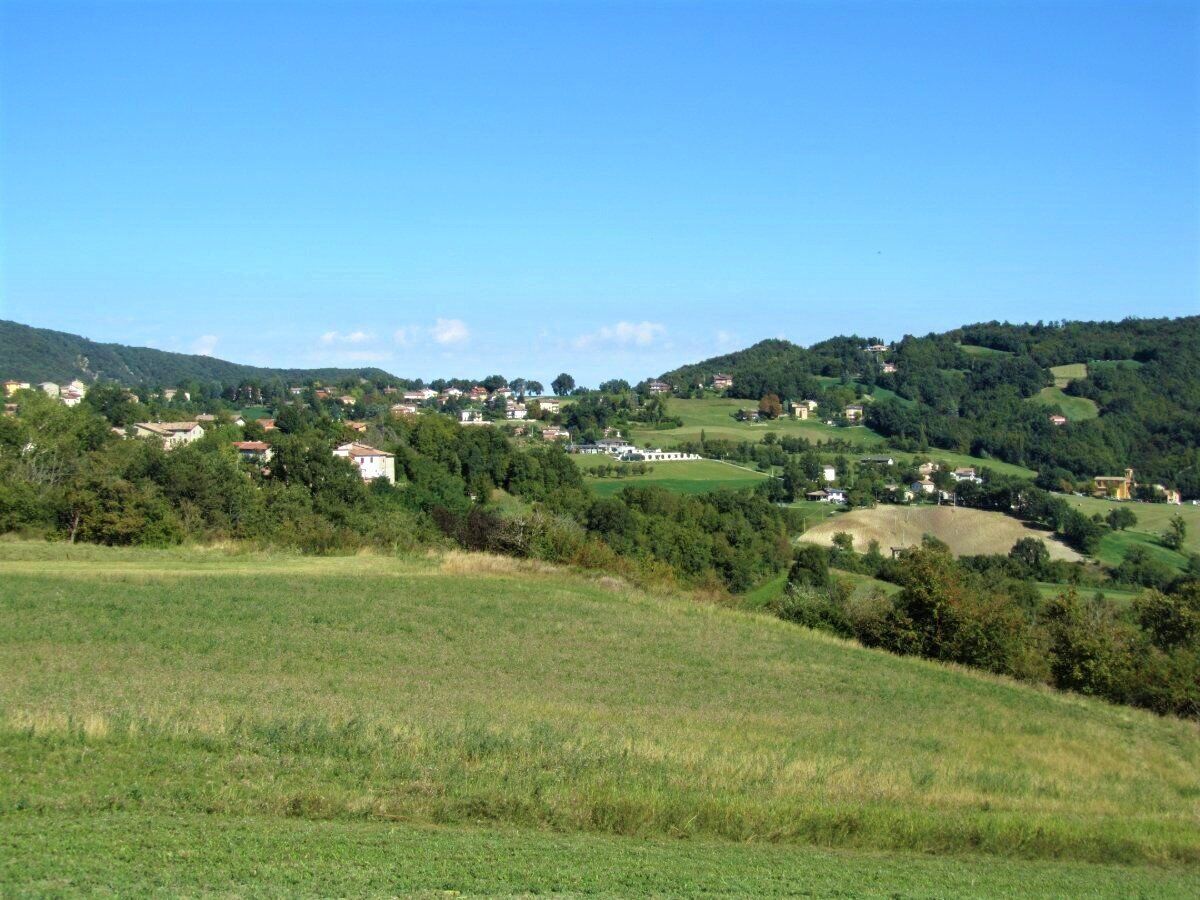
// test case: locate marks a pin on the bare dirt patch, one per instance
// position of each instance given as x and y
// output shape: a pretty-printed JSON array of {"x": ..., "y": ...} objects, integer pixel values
[{"x": 966, "y": 531}]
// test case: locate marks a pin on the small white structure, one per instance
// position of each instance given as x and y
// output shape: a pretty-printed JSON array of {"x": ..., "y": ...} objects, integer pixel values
[
  {"x": 404, "y": 409},
  {"x": 50, "y": 389},
  {"x": 371, "y": 463},
  {"x": 658, "y": 387},
  {"x": 516, "y": 411},
  {"x": 548, "y": 404},
  {"x": 801, "y": 411},
  {"x": 172, "y": 434},
  {"x": 966, "y": 474},
  {"x": 472, "y": 417},
  {"x": 829, "y": 474},
  {"x": 854, "y": 413},
  {"x": 554, "y": 433},
  {"x": 70, "y": 397},
  {"x": 656, "y": 456}
]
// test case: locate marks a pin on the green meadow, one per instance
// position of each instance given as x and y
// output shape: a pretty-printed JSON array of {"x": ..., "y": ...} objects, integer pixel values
[
  {"x": 684, "y": 476},
  {"x": 1064, "y": 375},
  {"x": 1076, "y": 409},
  {"x": 1152, "y": 521},
  {"x": 211, "y": 721}
]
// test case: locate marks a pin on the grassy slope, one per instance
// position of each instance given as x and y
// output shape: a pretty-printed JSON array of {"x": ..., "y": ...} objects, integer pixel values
[
  {"x": 1064, "y": 375},
  {"x": 691, "y": 477},
  {"x": 1077, "y": 409},
  {"x": 1152, "y": 522},
  {"x": 282, "y": 697},
  {"x": 714, "y": 416},
  {"x": 967, "y": 531}
]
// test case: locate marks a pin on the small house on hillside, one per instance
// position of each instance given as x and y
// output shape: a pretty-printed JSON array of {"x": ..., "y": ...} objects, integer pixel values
[
  {"x": 371, "y": 463},
  {"x": 829, "y": 474},
  {"x": 722, "y": 382},
  {"x": 554, "y": 433},
  {"x": 1056, "y": 419},
  {"x": 658, "y": 387},
  {"x": 966, "y": 474},
  {"x": 253, "y": 451},
  {"x": 854, "y": 413}
]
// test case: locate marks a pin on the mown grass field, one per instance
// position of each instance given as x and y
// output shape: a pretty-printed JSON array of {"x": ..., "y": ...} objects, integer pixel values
[
  {"x": 1064, "y": 375},
  {"x": 1076, "y": 409},
  {"x": 1152, "y": 521},
  {"x": 202, "y": 721},
  {"x": 976, "y": 350},
  {"x": 684, "y": 477}
]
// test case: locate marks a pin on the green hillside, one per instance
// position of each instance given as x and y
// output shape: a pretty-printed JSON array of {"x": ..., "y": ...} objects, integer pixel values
[
  {"x": 688, "y": 477},
  {"x": 40, "y": 354},
  {"x": 245, "y": 720}
]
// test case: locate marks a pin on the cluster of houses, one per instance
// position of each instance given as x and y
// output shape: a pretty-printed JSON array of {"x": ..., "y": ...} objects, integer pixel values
[
  {"x": 67, "y": 394},
  {"x": 924, "y": 486},
  {"x": 370, "y": 462}
]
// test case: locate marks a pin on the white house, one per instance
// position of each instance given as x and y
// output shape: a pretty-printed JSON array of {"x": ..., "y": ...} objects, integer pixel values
[
  {"x": 554, "y": 433},
  {"x": 548, "y": 404},
  {"x": 966, "y": 474},
  {"x": 253, "y": 451},
  {"x": 722, "y": 382},
  {"x": 404, "y": 409},
  {"x": 49, "y": 388},
  {"x": 829, "y": 473},
  {"x": 172, "y": 434},
  {"x": 472, "y": 417},
  {"x": 70, "y": 397},
  {"x": 658, "y": 387},
  {"x": 924, "y": 486},
  {"x": 371, "y": 463},
  {"x": 854, "y": 413},
  {"x": 800, "y": 411},
  {"x": 516, "y": 411}
]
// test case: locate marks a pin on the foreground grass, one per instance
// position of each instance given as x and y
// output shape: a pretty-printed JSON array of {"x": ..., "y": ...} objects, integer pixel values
[
  {"x": 126, "y": 854},
  {"x": 282, "y": 693}
]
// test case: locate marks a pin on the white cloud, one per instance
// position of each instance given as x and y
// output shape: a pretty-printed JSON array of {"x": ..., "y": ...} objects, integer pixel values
[
  {"x": 450, "y": 331},
  {"x": 725, "y": 340},
  {"x": 205, "y": 344},
  {"x": 623, "y": 334},
  {"x": 350, "y": 337},
  {"x": 407, "y": 335}
]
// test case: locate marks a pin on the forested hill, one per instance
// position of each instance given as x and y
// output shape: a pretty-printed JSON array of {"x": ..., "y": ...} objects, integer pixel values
[
  {"x": 1130, "y": 389},
  {"x": 40, "y": 354}
]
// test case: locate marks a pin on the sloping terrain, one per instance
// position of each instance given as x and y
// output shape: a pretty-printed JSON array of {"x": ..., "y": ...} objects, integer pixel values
[
  {"x": 285, "y": 725},
  {"x": 966, "y": 531},
  {"x": 41, "y": 354}
]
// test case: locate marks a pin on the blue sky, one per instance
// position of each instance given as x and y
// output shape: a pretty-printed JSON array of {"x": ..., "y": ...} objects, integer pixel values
[{"x": 605, "y": 188}]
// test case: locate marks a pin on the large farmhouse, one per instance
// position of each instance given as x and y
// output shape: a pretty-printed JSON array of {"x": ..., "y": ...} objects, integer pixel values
[{"x": 172, "y": 434}]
